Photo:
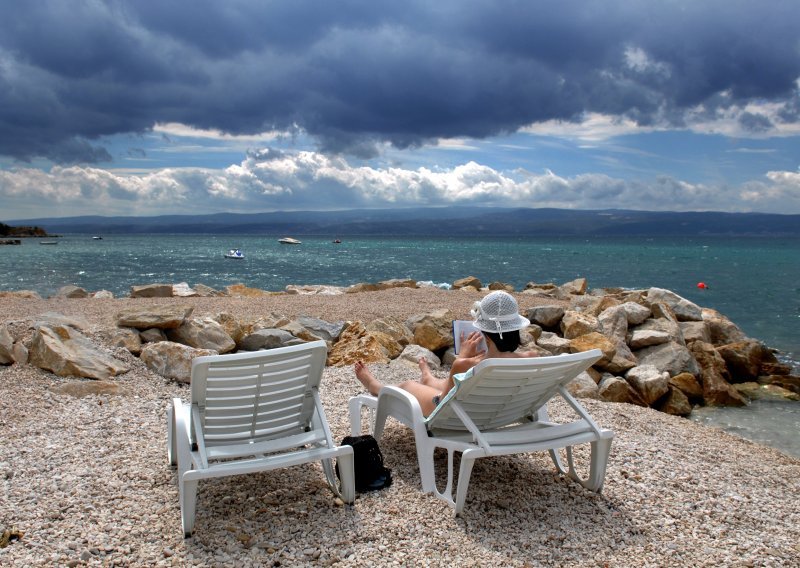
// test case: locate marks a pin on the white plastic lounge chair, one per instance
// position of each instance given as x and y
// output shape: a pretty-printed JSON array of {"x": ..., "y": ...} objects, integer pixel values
[
  {"x": 253, "y": 412},
  {"x": 496, "y": 408}
]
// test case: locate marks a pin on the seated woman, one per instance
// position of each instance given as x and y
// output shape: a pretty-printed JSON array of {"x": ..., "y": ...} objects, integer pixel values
[{"x": 497, "y": 316}]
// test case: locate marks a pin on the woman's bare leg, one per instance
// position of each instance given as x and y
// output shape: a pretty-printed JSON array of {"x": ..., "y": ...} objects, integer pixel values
[
  {"x": 427, "y": 376},
  {"x": 423, "y": 393},
  {"x": 367, "y": 379}
]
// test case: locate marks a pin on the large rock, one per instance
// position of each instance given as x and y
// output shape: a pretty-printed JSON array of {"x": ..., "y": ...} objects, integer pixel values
[
  {"x": 695, "y": 331},
  {"x": 329, "y": 331},
  {"x": 413, "y": 353},
  {"x": 71, "y": 291},
  {"x": 744, "y": 359},
  {"x": 688, "y": 385},
  {"x": 545, "y": 316},
  {"x": 202, "y": 333},
  {"x": 575, "y": 287},
  {"x": 241, "y": 290},
  {"x": 55, "y": 319},
  {"x": 505, "y": 287},
  {"x": 66, "y": 352},
  {"x": 575, "y": 324},
  {"x": 152, "y": 291},
  {"x": 583, "y": 386},
  {"x": 231, "y": 325},
  {"x": 433, "y": 331},
  {"x": 636, "y": 313},
  {"x": 683, "y": 308},
  {"x": 721, "y": 329},
  {"x": 268, "y": 339},
  {"x": 641, "y": 338},
  {"x": 595, "y": 340},
  {"x": 172, "y": 360},
  {"x": 296, "y": 329},
  {"x": 125, "y": 337},
  {"x": 616, "y": 389},
  {"x": 161, "y": 316},
  {"x": 102, "y": 295},
  {"x": 397, "y": 283},
  {"x": 469, "y": 281},
  {"x": 554, "y": 344},
  {"x": 314, "y": 290},
  {"x": 207, "y": 292},
  {"x": 355, "y": 344},
  {"x": 717, "y": 391},
  {"x": 614, "y": 323},
  {"x": 152, "y": 335},
  {"x": 390, "y": 346},
  {"x": 664, "y": 320},
  {"x": 183, "y": 290},
  {"x": 787, "y": 381},
  {"x": 675, "y": 403},
  {"x": 649, "y": 382},
  {"x": 22, "y": 294},
  {"x": 757, "y": 391},
  {"x": 6, "y": 346},
  {"x": 671, "y": 357},
  {"x": 394, "y": 328}
]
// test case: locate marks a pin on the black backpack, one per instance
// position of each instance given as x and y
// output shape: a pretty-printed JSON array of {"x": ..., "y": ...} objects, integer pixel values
[{"x": 368, "y": 461}]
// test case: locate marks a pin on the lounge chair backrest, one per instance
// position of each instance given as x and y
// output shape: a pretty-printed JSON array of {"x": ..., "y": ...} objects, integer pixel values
[
  {"x": 498, "y": 392},
  {"x": 242, "y": 398}
]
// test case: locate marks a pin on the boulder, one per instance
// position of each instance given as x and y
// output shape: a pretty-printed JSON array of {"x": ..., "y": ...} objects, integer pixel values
[
  {"x": 594, "y": 340},
  {"x": 355, "y": 344},
  {"x": 469, "y": 281},
  {"x": 55, "y": 319},
  {"x": 713, "y": 377},
  {"x": 207, "y": 292},
  {"x": 616, "y": 389},
  {"x": 231, "y": 326},
  {"x": 172, "y": 360},
  {"x": 392, "y": 348},
  {"x": 20, "y": 353},
  {"x": 362, "y": 287},
  {"x": 314, "y": 290},
  {"x": 240, "y": 290},
  {"x": 433, "y": 331},
  {"x": 756, "y": 391},
  {"x": 788, "y": 382},
  {"x": 102, "y": 295},
  {"x": 594, "y": 305},
  {"x": 545, "y": 316},
  {"x": 272, "y": 320},
  {"x": 640, "y": 338},
  {"x": 152, "y": 335},
  {"x": 393, "y": 327},
  {"x": 575, "y": 287},
  {"x": 66, "y": 352},
  {"x": 81, "y": 389},
  {"x": 22, "y": 294},
  {"x": 71, "y": 291},
  {"x": 695, "y": 331},
  {"x": 152, "y": 291},
  {"x": 683, "y": 308},
  {"x": 675, "y": 403},
  {"x": 583, "y": 386},
  {"x": 744, "y": 359},
  {"x": 268, "y": 338},
  {"x": 636, "y": 313},
  {"x": 413, "y": 353},
  {"x": 125, "y": 337},
  {"x": 553, "y": 343},
  {"x": 649, "y": 382},
  {"x": 721, "y": 329},
  {"x": 671, "y": 357},
  {"x": 688, "y": 385},
  {"x": 6, "y": 346},
  {"x": 575, "y": 324},
  {"x": 295, "y": 328},
  {"x": 329, "y": 331},
  {"x": 202, "y": 333},
  {"x": 183, "y": 290},
  {"x": 397, "y": 283},
  {"x": 501, "y": 286},
  {"x": 614, "y": 323},
  {"x": 161, "y": 316}
]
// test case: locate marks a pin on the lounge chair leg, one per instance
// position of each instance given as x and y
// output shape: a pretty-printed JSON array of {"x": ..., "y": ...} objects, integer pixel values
[
  {"x": 347, "y": 476},
  {"x": 354, "y": 407},
  {"x": 464, "y": 473},
  {"x": 188, "y": 497}
]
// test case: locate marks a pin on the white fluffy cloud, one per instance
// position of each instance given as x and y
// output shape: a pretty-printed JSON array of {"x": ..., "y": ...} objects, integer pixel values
[{"x": 273, "y": 180}]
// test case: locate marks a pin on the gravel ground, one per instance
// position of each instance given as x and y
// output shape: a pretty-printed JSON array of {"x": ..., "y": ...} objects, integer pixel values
[{"x": 86, "y": 480}]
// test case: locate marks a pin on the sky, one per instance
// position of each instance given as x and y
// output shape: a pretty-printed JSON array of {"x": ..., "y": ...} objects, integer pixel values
[{"x": 149, "y": 107}]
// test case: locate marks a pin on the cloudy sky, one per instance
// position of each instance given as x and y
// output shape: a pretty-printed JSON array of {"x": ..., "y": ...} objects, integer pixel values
[{"x": 199, "y": 106}]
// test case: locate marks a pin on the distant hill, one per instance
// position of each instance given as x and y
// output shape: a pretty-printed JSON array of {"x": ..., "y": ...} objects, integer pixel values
[
  {"x": 439, "y": 221},
  {"x": 23, "y": 231}
]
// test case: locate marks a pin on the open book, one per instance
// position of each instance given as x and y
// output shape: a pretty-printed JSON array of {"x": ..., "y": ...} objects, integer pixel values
[{"x": 465, "y": 327}]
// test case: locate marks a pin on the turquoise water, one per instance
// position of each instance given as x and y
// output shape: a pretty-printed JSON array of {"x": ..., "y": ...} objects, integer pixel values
[{"x": 754, "y": 282}]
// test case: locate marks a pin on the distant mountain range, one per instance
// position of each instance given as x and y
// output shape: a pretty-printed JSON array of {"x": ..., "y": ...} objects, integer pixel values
[{"x": 437, "y": 221}]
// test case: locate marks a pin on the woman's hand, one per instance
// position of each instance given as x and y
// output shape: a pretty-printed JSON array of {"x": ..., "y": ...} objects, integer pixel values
[{"x": 470, "y": 345}]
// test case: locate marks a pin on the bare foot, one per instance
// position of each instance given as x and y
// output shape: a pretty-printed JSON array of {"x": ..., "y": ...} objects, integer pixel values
[
  {"x": 367, "y": 379},
  {"x": 427, "y": 377}
]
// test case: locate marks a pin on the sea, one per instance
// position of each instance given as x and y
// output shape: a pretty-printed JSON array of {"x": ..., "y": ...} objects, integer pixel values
[{"x": 754, "y": 281}]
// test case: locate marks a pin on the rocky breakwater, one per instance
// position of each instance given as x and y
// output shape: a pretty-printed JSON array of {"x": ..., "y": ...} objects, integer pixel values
[{"x": 659, "y": 349}]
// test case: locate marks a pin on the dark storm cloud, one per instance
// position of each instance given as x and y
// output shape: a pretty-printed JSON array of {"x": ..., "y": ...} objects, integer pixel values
[{"x": 355, "y": 74}]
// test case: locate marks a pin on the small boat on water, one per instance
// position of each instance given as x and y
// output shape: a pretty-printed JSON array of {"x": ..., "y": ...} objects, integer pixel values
[
  {"x": 235, "y": 253},
  {"x": 337, "y": 241},
  {"x": 289, "y": 241},
  {"x": 48, "y": 242},
  {"x": 97, "y": 238}
]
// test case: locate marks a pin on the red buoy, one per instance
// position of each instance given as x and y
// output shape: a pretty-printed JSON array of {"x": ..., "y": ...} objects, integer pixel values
[{"x": 702, "y": 285}]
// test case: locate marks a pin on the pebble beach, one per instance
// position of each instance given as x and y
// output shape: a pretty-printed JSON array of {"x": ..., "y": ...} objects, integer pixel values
[{"x": 86, "y": 482}]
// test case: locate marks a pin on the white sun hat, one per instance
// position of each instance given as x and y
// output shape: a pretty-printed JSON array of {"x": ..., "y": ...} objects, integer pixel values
[{"x": 498, "y": 312}]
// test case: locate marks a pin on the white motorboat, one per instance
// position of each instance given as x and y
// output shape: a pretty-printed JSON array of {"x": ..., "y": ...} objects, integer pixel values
[
  {"x": 289, "y": 241},
  {"x": 235, "y": 253}
]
